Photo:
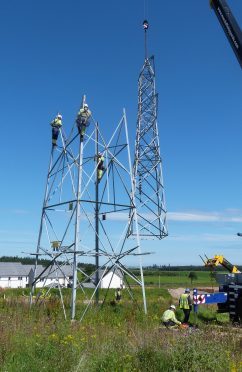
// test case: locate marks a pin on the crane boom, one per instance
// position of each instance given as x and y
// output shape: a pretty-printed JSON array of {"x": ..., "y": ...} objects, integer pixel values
[
  {"x": 220, "y": 260},
  {"x": 230, "y": 26}
]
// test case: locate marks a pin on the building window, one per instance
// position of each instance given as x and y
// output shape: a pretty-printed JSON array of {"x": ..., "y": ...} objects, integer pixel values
[
  {"x": 20, "y": 278},
  {"x": 9, "y": 278}
]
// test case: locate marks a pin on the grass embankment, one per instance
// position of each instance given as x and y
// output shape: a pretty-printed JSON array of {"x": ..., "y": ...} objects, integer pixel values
[{"x": 116, "y": 338}]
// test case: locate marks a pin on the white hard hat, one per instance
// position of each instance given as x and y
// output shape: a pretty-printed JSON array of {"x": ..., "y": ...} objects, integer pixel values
[
  {"x": 187, "y": 290},
  {"x": 59, "y": 116},
  {"x": 85, "y": 105},
  {"x": 173, "y": 307}
]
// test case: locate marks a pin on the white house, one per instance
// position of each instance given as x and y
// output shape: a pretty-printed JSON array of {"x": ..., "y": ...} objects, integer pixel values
[
  {"x": 13, "y": 275},
  {"x": 112, "y": 279},
  {"x": 52, "y": 276},
  {"x": 17, "y": 275}
]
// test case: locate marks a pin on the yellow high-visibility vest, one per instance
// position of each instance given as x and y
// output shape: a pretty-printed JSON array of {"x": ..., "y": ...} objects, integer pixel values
[
  {"x": 56, "y": 122},
  {"x": 183, "y": 302}
]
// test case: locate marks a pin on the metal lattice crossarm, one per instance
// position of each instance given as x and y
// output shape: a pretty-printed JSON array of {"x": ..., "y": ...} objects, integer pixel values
[{"x": 147, "y": 167}]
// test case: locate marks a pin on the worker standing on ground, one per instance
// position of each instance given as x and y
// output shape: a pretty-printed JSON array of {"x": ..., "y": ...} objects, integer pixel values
[
  {"x": 82, "y": 120},
  {"x": 169, "y": 318},
  {"x": 100, "y": 166},
  {"x": 118, "y": 295},
  {"x": 56, "y": 125},
  {"x": 185, "y": 303}
]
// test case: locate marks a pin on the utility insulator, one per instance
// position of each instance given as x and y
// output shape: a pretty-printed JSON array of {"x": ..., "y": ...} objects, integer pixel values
[{"x": 140, "y": 185}]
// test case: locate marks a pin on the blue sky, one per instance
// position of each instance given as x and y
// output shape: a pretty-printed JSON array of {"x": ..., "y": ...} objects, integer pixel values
[{"x": 53, "y": 52}]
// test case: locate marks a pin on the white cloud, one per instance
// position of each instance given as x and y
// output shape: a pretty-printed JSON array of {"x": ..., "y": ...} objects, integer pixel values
[
  {"x": 20, "y": 211},
  {"x": 118, "y": 216},
  {"x": 17, "y": 233},
  {"x": 17, "y": 211},
  {"x": 192, "y": 217},
  {"x": 226, "y": 216},
  {"x": 206, "y": 238},
  {"x": 229, "y": 215}
]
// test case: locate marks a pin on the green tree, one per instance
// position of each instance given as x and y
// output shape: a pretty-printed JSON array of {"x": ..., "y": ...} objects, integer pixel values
[
  {"x": 212, "y": 275},
  {"x": 193, "y": 276}
]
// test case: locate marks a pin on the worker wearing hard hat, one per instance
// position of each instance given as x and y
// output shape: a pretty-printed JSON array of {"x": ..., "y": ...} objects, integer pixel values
[
  {"x": 185, "y": 303},
  {"x": 56, "y": 125},
  {"x": 100, "y": 166},
  {"x": 82, "y": 120},
  {"x": 169, "y": 318}
]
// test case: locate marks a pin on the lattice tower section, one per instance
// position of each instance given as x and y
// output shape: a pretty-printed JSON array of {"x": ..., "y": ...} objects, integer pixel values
[{"x": 147, "y": 167}]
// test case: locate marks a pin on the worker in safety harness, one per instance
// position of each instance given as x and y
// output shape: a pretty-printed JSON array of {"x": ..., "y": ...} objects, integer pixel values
[
  {"x": 169, "y": 318},
  {"x": 56, "y": 125},
  {"x": 100, "y": 167},
  {"x": 82, "y": 120},
  {"x": 185, "y": 303}
]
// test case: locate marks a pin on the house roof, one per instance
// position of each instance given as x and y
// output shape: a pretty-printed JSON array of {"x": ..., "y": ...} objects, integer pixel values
[
  {"x": 54, "y": 272},
  {"x": 9, "y": 269},
  {"x": 57, "y": 272},
  {"x": 13, "y": 269}
]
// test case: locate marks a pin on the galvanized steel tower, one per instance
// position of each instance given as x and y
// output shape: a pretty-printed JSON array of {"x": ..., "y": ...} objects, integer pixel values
[
  {"x": 88, "y": 200},
  {"x": 147, "y": 166}
]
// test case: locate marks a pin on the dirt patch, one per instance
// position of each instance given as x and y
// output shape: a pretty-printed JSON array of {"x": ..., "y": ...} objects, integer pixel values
[
  {"x": 176, "y": 292},
  {"x": 208, "y": 289}
]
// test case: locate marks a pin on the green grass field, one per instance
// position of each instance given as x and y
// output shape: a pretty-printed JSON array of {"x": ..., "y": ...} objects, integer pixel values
[
  {"x": 173, "y": 279},
  {"x": 114, "y": 337}
]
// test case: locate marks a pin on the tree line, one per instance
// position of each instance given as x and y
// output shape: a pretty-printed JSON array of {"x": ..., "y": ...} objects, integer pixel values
[{"x": 89, "y": 268}]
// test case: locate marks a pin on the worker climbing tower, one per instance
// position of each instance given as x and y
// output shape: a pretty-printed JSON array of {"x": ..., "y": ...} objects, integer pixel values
[
  {"x": 147, "y": 167},
  {"x": 88, "y": 199}
]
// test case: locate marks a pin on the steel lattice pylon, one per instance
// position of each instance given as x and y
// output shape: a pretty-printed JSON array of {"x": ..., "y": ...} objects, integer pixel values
[
  {"x": 84, "y": 219},
  {"x": 147, "y": 167}
]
